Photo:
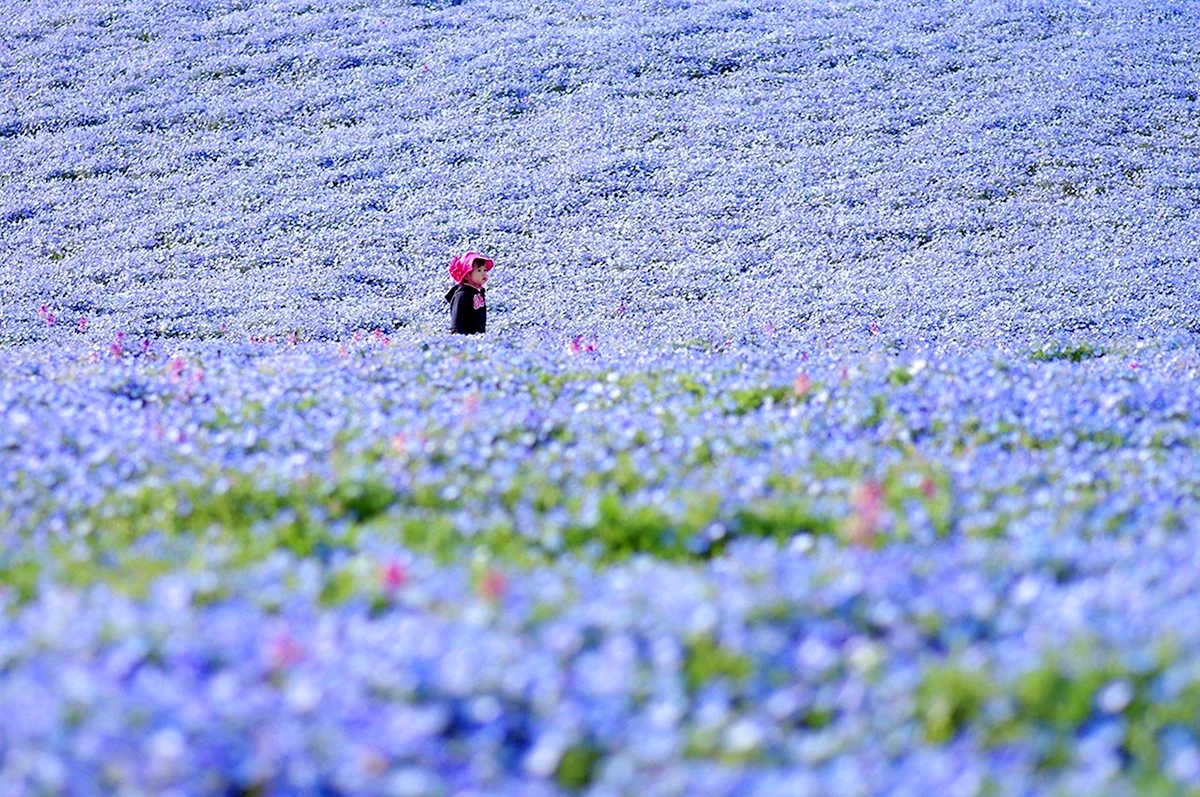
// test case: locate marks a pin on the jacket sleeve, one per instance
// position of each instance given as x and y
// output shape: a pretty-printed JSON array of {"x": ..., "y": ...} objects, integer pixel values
[{"x": 460, "y": 311}]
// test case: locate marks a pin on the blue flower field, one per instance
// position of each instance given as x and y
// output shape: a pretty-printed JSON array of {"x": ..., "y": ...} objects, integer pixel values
[{"x": 835, "y": 431}]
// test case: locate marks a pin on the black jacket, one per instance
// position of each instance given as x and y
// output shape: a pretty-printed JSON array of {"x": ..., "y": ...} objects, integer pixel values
[{"x": 468, "y": 309}]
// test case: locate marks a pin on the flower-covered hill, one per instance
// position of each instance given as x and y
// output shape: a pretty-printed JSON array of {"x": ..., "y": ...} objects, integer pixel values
[
  {"x": 977, "y": 170},
  {"x": 834, "y": 433}
]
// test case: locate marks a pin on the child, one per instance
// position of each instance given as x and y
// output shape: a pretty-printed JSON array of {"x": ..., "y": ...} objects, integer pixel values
[{"x": 468, "y": 305}]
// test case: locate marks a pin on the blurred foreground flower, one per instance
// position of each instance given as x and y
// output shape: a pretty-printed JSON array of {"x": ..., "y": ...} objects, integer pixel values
[
  {"x": 394, "y": 576},
  {"x": 492, "y": 585},
  {"x": 863, "y": 525},
  {"x": 283, "y": 651},
  {"x": 929, "y": 487}
]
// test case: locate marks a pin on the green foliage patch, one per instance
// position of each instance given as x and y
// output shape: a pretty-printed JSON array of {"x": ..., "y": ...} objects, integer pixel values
[
  {"x": 577, "y": 767},
  {"x": 706, "y": 661},
  {"x": 950, "y": 698},
  {"x": 1071, "y": 353},
  {"x": 1054, "y": 702}
]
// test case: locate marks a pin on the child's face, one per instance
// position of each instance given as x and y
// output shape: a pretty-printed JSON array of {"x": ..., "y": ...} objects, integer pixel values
[{"x": 478, "y": 274}]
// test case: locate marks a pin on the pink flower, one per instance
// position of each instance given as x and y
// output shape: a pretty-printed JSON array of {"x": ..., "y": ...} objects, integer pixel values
[
  {"x": 492, "y": 585},
  {"x": 394, "y": 576},
  {"x": 83, "y": 324},
  {"x": 284, "y": 651},
  {"x": 1135, "y": 365},
  {"x": 175, "y": 369},
  {"x": 400, "y": 444},
  {"x": 802, "y": 384},
  {"x": 867, "y": 513},
  {"x": 116, "y": 351},
  {"x": 929, "y": 488},
  {"x": 578, "y": 345}
]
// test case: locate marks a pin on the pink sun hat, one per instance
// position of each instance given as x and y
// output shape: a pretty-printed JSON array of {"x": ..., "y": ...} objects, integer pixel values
[{"x": 461, "y": 265}]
